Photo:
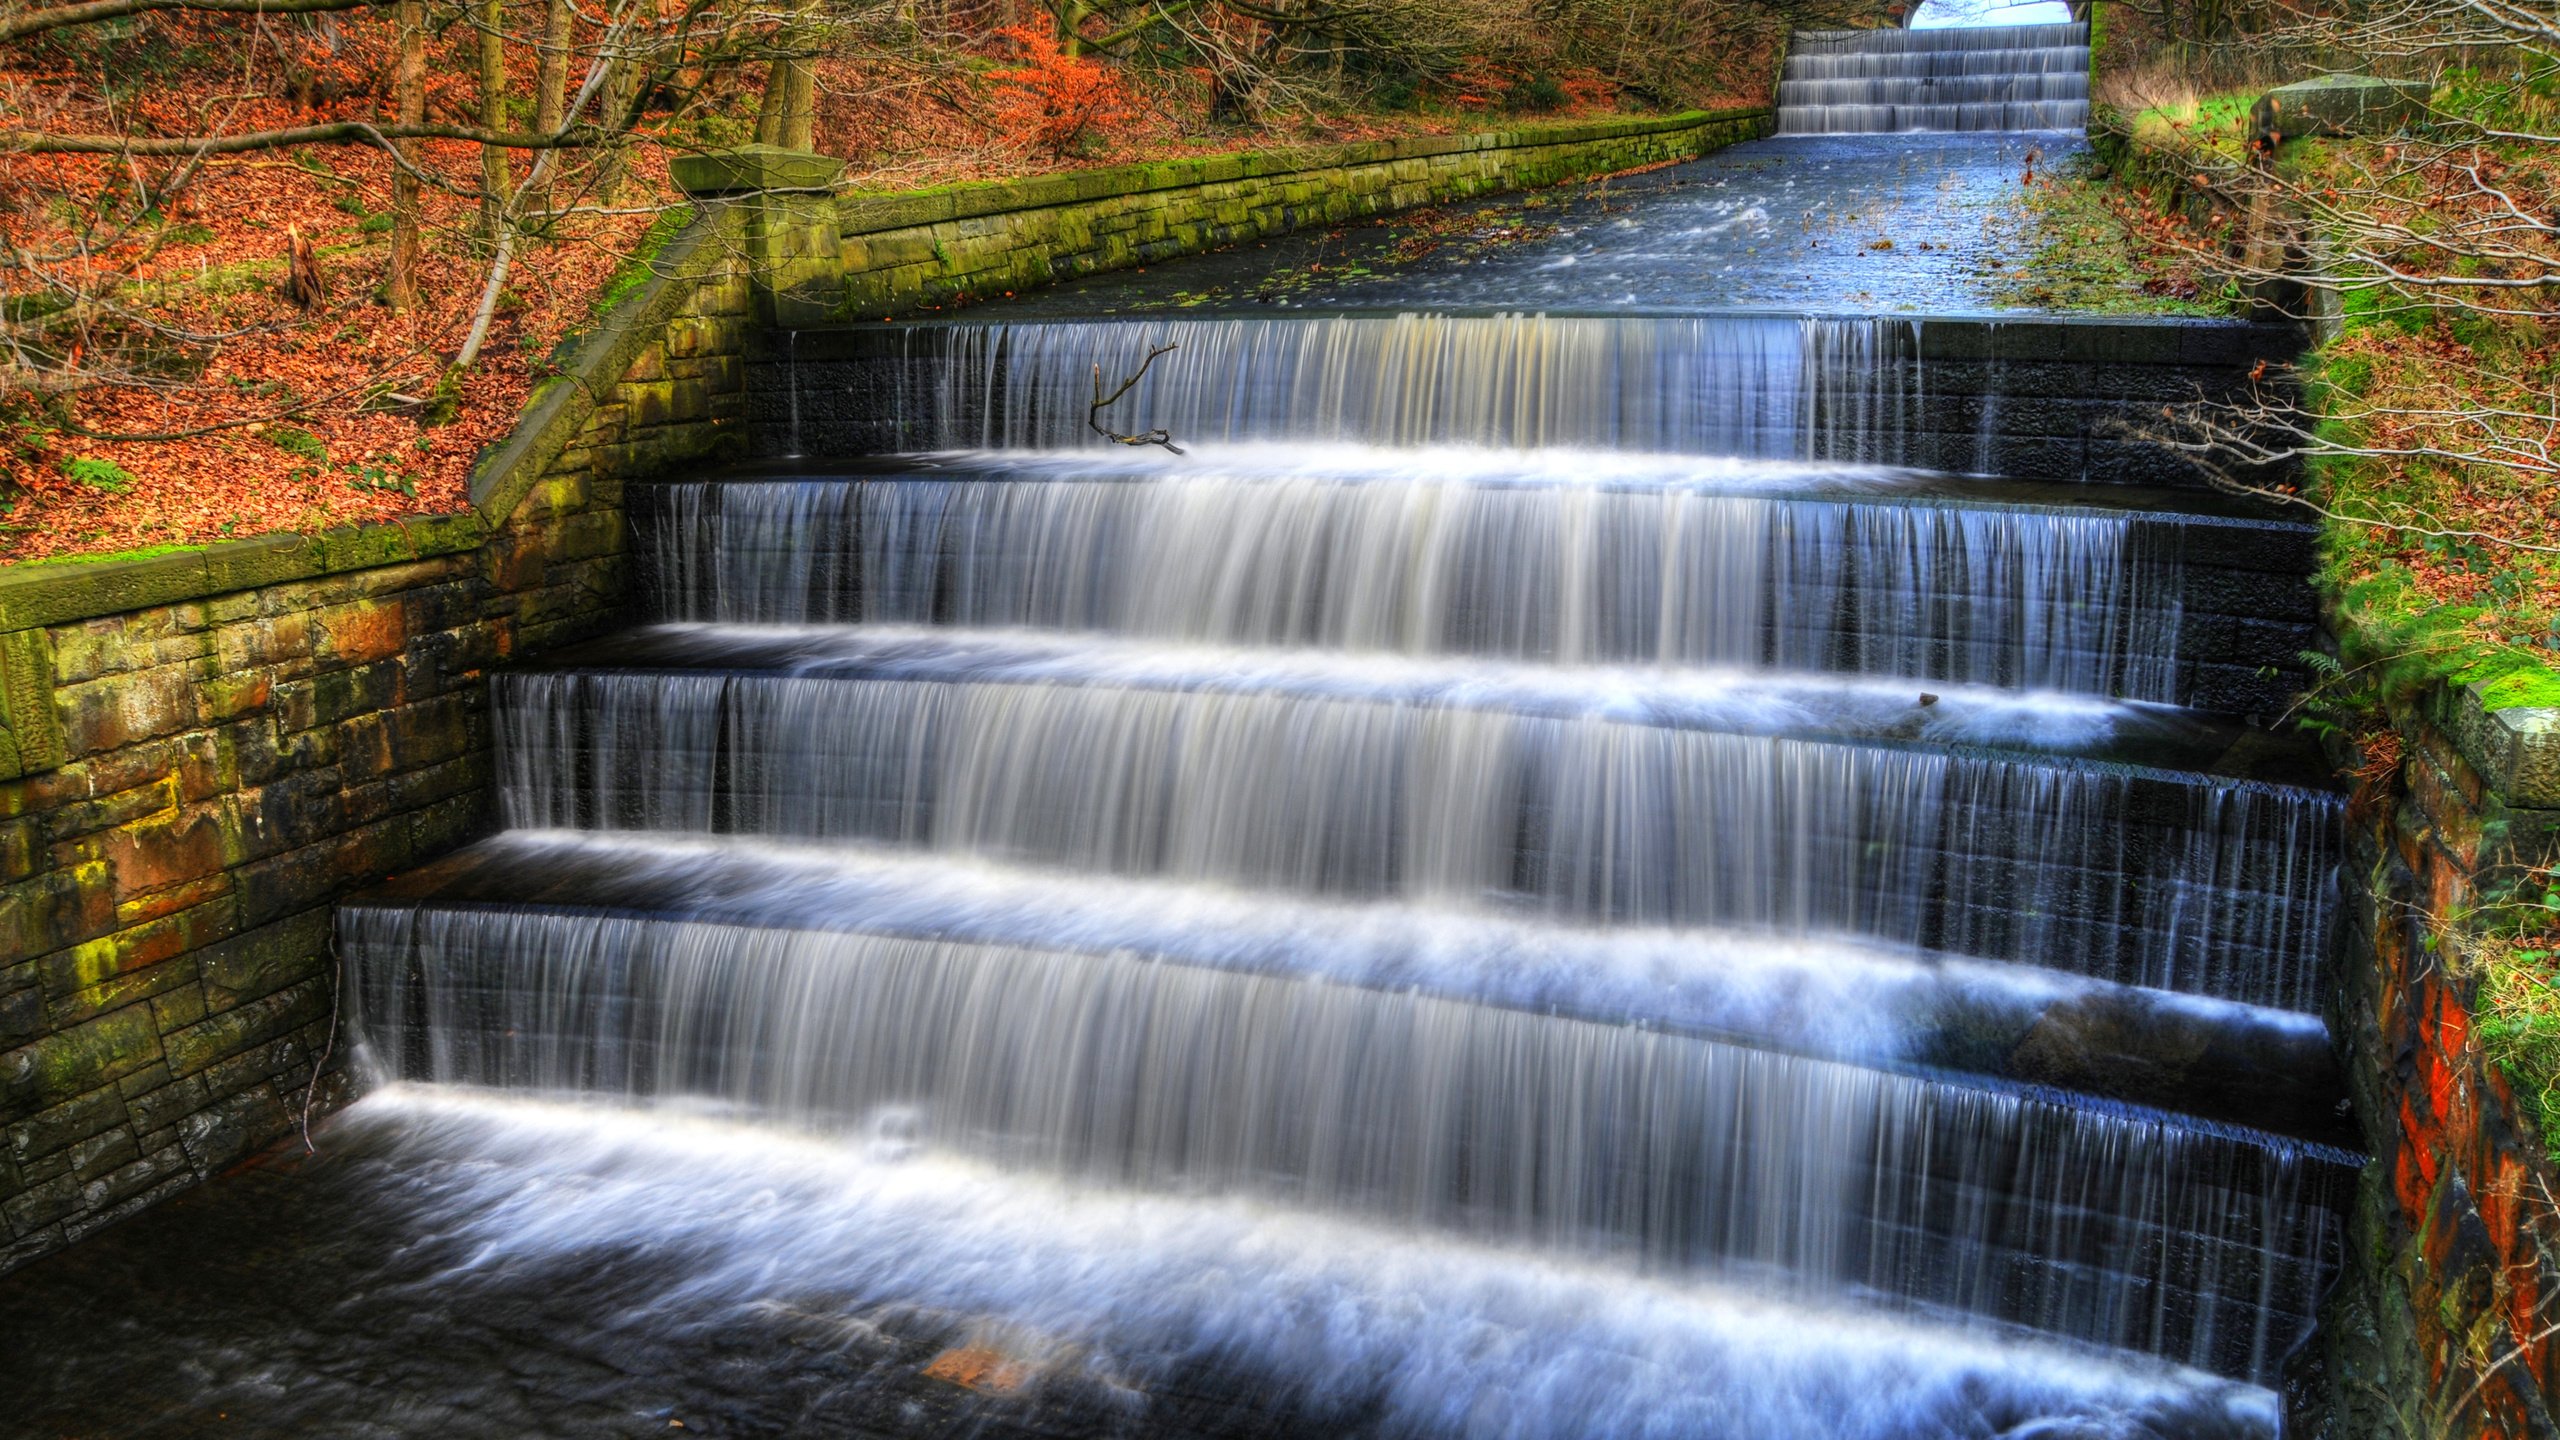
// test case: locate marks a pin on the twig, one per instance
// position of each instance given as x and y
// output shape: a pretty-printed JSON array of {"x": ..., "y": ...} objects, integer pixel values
[
  {"x": 1102, "y": 402},
  {"x": 328, "y": 1046}
]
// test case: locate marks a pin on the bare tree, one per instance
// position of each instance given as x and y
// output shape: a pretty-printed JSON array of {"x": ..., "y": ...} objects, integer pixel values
[
  {"x": 80, "y": 312},
  {"x": 2451, "y": 224}
]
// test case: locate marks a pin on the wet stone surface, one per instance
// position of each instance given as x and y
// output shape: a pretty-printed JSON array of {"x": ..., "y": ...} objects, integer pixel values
[{"x": 1824, "y": 224}]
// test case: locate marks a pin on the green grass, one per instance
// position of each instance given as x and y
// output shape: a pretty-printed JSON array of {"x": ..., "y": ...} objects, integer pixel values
[{"x": 2214, "y": 124}]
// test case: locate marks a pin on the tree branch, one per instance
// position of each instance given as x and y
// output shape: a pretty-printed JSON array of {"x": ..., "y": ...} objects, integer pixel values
[
  {"x": 36, "y": 22},
  {"x": 342, "y": 132},
  {"x": 1102, "y": 402}
]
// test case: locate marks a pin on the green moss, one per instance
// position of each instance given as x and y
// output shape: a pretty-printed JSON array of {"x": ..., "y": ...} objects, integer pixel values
[
  {"x": 2512, "y": 681},
  {"x": 147, "y": 552},
  {"x": 637, "y": 271}
]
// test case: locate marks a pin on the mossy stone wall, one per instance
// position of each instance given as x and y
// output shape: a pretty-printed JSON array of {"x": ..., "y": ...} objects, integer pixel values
[
  {"x": 203, "y": 749},
  {"x": 962, "y": 242},
  {"x": 2442, "y": 1327}
]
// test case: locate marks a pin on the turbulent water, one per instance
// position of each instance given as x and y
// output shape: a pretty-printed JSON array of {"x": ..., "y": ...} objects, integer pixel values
[{"x": 1340, "y": 1327}]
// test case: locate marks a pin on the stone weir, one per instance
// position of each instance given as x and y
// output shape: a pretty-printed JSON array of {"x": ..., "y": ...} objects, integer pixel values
[
  {"x": 1756, "y": 804},
  {"x": 2041, "y": 399},
  {"x": 2044, "y": 500},
  {"x": 1973, "y": 77}
]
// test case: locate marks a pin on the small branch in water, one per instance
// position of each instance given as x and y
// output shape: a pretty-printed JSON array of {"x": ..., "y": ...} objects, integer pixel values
[
  {"x": 1102, "y": 402},
  {"x": 337, "y": 1003}
]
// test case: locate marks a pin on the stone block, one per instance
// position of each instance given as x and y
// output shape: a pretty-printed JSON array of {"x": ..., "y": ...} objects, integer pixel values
[
  {"x": 234, "y": 1126},
  {"x": 156, "y": 1110},
  {"x": 62, "y": 1125},
  {"x": 259, "y": 963},
  {"x": 130, "y": 966},
  {"x": 750, "y": 169},
  {"x": 2337, "y": 105},
  {"x": 331, "y": 696},
  {"x": 281, "y": 885},
  {"x": 187, "y": 843},
  {"x": 226, "y": 1033},
  {"x": 355, "y": 633},
  {"x": 76, "y": 1060},
  {"x": 123, "y": 710}
]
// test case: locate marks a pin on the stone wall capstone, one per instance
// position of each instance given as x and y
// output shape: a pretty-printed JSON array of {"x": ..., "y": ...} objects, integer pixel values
[{"x": 962, "y": 242}]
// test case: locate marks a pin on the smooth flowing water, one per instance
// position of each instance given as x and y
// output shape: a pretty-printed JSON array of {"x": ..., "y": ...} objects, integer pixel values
[
  {"x": 1530, "y": 876},
  {"x": 1988, "y": 77}
]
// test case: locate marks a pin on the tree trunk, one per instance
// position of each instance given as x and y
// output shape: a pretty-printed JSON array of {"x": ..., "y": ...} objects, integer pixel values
[
  {"x": 409, "y": 106},
  {"x": 618, "y": 97},
  {"x": 789, "y": 115},
  {"x": 1071, "y": 15},
  {"x": 551, "y": 85},
  {"x": 495, "y": 183}
]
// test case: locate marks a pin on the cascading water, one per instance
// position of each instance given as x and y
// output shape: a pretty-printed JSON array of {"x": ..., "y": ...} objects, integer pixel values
[
  {"x": 1716, "y": 385},
  {"x": 1550, "y": 875},
  {"x": 1671, "y": 564},
  {"x": 1224, "y": 776},
  {"x": 1981, "y": 77}
]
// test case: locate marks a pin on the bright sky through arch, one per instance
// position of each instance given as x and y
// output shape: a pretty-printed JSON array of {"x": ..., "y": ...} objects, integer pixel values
[{"x": 1949, "y": 14}]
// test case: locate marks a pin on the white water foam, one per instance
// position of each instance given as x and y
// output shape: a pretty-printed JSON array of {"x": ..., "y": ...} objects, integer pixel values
[{"x": 1337, "y": 1317}]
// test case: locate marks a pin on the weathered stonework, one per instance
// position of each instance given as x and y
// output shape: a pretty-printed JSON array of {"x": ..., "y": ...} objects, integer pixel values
[
  {"x": 2443, "y": 1326},
  {"x": 974, "y": 241},
  {"x": 211, "y": 746}
]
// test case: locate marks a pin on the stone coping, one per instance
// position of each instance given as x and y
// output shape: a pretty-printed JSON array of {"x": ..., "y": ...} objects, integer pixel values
[
  {"x": 2516, "y": 751},
  {"x": 2025, "y": 337},
  {"x": 866, "y": 214}
]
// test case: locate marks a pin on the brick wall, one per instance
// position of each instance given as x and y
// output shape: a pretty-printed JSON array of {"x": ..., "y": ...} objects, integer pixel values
[{"x": 2441, "y": 1327}]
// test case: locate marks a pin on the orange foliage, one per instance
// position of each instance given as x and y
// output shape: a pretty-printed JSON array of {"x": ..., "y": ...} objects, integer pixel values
[
  {"x": 224, "y": 268},
  {"x": 1054, "y": 101}
]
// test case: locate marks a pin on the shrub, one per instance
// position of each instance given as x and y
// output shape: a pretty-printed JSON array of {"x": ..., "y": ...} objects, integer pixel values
[
  {"x": 1054, "y": 101},
  {"x": 298, "y": 442},
  {"x": 99, "y": 474}
]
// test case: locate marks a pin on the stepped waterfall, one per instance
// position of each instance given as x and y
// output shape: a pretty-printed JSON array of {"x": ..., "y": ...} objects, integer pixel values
[
  {"x": 1980, "y": 77},
  {"x": 1563, "y": 796},
  {"x": 1618, "y": 869}
]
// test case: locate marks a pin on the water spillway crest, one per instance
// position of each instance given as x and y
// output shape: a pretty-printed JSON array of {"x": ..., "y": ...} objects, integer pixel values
[
  {"x": 1547, "y": 875},
  {"x": 1980, "y": 77}
]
